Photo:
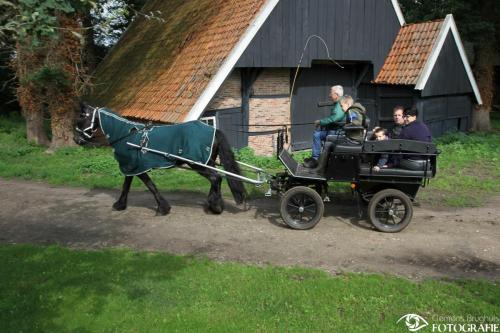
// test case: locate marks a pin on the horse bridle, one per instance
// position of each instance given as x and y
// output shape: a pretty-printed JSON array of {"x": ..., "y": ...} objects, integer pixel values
[{"x": 90, "y": 129}]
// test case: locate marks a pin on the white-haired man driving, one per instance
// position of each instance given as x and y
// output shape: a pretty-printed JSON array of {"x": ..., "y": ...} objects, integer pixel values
[{"x": 329, "y": 124}]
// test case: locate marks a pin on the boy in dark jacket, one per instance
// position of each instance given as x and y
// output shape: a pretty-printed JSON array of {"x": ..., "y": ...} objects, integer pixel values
[{"x": 380, "y": 134}]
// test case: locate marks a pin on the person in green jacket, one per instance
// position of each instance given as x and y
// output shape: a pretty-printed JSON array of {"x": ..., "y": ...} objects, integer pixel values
[{"x": 330, "y": 125}]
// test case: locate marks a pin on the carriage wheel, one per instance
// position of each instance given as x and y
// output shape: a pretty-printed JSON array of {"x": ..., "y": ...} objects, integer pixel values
[
  {"x": 301, "y": 207},
  {"x": 390, "y": 210}
]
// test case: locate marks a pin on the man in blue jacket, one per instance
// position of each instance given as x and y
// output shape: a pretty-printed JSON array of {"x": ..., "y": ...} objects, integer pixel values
[
  {"x": 329, "y": 124},
  {"x": 414, "y": 129}
]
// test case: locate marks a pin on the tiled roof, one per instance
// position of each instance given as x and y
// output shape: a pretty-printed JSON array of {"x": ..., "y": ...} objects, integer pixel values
[
  {"x": 409, "y": 54},
  {"x": 158, "y": 69}
]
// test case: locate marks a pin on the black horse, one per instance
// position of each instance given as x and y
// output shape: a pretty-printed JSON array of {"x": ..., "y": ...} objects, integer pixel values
[{"x": 89, "y": 123}]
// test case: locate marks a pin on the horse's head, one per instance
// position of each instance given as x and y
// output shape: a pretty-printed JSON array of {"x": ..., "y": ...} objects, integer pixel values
[{"x": 86, "y": 124}]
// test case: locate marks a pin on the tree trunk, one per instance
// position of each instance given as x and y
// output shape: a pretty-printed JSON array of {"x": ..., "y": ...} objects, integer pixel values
[
  {"x": 62, "y": 124},
  {"x": 35, "y": 131},
  {"x": 64, "y": 99},
  {"x": 90, "y": 51},
  {"x": 484, "y": 72},
  {"x": 28, "y": 95},
  {"x": 32, "y": 112}
]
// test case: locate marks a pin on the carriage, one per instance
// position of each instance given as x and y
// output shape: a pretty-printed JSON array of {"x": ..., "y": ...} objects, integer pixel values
[{"x": 389, "y": 192}]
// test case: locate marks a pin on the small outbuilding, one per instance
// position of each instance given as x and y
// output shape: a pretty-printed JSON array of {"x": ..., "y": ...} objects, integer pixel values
[{"x": 233, "y": 63}]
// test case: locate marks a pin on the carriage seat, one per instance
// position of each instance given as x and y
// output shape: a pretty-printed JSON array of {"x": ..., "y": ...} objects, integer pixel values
[
  {"x": 348, "y": 149},
  {"x": 344, "y": 145},
  {"x": 333, "y": 138},
  {"x": 418, "y": 165}
]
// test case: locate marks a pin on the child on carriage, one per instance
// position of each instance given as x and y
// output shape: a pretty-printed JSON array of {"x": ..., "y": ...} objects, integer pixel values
[{"x": 384, "y": 160}]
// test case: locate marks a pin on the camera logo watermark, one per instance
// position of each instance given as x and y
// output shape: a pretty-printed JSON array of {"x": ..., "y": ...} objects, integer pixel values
[
  {"x": 414, "y": 322},
  {"x": 469, "y": 323}
]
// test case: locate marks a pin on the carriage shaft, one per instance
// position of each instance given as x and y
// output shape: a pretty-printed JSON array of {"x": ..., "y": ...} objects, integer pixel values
[{"x": 224, "y": 172}]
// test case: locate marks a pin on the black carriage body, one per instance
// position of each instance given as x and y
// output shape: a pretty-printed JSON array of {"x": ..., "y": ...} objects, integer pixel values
[
  {"x": 389, "y": 192},
  {"x": 354, "y": 164}
]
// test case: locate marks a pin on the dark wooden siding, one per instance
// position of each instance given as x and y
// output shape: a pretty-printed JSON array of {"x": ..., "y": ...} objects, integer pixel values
[
  {"x": 449, "y": 75},
  {"x": 361, "y": 30},
  {"x": 441, "y": 113},
  {"x": 385, "y": 98},
  {"x": 446, "y": 113},
  {"x": 230, "y": 122}
]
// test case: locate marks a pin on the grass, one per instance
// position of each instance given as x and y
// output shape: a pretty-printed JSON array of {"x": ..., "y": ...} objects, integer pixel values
[
  {"x": 53, "y": 289},
  {"x": 469, "y": 172},
  {"x": 468, "y": 168}
]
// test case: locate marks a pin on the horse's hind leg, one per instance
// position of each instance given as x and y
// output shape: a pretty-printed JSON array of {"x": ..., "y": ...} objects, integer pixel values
[
  {"x": 214, "y": 200},
  {"x": 121, "y": 204},
  {"x": 163, "y": 205}
]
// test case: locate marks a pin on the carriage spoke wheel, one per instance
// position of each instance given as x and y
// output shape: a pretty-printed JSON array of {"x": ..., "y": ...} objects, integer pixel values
[
  {"x": 390, "y": 210},
  {"x": 301, "y": 207}
]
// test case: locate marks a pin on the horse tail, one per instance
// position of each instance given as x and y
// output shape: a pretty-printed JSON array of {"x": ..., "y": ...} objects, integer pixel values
[{"x": 229, "y": 163}]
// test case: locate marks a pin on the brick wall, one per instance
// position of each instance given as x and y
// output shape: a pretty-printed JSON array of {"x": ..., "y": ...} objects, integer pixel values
[
  {"x": 273, "y": 81},
  {"x": 270, "y": 104},
  {"x": 274, "y": 109},
  {"x": 229, "y": 94}
]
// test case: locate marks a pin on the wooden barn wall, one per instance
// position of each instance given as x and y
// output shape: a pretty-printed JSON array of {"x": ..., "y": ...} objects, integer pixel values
[
  {"x": 448, "y": 76},
  {"x": 446, "y": 113},
  {"x": 361, "y": 30},
  {"x": 229, "y": 121},
  {"x": 441, "y": 113},
  {"x": 385, "y": 98}
]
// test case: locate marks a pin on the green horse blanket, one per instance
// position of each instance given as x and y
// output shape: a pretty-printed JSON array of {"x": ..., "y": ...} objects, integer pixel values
[{"x": 192, "y": 140}]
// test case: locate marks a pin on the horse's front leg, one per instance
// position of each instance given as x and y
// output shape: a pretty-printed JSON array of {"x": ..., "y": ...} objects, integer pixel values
[
  {"x": 163, "y": 205},
  {"x": 214, "y": 200},
  {"x": 121, "y": 204}
]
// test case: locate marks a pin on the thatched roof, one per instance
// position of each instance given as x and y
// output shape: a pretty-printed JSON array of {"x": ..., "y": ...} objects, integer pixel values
[{"x": 159, "y": 69}]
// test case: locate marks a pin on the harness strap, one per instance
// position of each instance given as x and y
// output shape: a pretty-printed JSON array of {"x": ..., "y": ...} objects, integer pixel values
[{"x": 133, "y": 130}]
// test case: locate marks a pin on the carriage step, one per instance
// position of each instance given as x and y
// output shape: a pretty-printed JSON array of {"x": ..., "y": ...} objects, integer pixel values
[{"x": 298, "y": 170}]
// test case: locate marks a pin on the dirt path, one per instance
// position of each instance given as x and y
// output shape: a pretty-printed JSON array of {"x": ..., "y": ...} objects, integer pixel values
[{"x": 438, "y": 243}]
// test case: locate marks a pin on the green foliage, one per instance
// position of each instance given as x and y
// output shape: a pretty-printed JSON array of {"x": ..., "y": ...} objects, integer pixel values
[
  {"x": 468, "y": 170},
  {"x": 54, "y": 75},
  {"x": 52, "y": 289},
  {"x": 111, "y": 18},
  {"x": 247, "y": 155},
  {"x": 34, "y": 21},
  {"x": 471, "y": 20}
]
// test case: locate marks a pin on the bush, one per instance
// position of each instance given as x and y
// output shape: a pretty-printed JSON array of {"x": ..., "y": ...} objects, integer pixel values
[{"x": 247, "y": 155}]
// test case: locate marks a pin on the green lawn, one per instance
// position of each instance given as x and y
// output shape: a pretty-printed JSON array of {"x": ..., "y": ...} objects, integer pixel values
[
  {"x": 469, "y": 168},
  {"x": 53, "y": 289}
]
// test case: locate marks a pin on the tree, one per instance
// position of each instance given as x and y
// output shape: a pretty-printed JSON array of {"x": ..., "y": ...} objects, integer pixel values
[
  {"x": 47, "y": 62},
  {"x": 54, "y": 50},
  {"x": 478, "y": 22},
  {"x": 7, "y": 76},
  {"x": 105, "y": 24}
]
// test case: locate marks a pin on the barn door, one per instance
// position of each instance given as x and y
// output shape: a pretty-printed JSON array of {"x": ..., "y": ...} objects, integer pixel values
[{"x": 312, "y": 86}]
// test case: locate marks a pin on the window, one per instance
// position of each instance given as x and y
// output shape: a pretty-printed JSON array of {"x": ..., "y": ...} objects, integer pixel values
[{"x": 209, "y": 121}]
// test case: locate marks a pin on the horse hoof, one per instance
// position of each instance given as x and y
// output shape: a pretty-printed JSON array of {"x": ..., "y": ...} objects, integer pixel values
[
  {"x": 119, "y": 206},
  {"x": 216, "y": 209},
  {"x": 162, "y": 211}
]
